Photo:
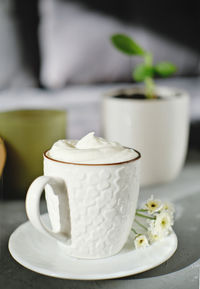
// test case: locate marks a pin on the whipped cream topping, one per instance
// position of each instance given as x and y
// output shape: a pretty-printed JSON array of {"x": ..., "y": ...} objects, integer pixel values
[{"x": 90, "y": 150}]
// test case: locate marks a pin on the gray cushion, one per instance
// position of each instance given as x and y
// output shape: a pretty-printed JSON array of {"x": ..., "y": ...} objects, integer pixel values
[
  {"x": 13, "y": 72},
  {"x": 75, "y": 47}
]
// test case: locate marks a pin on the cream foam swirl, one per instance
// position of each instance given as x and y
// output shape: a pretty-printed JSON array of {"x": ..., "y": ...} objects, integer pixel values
[{"x": 90, "y": 150}]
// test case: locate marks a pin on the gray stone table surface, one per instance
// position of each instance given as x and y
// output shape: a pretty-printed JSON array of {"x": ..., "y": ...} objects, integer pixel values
[{"x": 181, "y": 271}]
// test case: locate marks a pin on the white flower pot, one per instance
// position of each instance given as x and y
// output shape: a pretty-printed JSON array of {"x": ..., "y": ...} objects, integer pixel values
[{"x": 158, "y": 128}]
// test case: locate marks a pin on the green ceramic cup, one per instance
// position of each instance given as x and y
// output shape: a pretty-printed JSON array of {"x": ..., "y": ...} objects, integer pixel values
[{"x": 27, "y": 134}]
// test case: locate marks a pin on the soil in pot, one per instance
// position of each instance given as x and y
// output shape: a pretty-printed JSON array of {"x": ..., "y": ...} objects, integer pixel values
[{"x": 134, "y": 96}]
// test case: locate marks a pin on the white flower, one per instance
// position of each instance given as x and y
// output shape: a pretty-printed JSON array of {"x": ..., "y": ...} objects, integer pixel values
[
  {"x": 159, "y": 219},
  {"x": 141, "y": 241},
  {"x": 153, "y": 205},
  {"x": 160, "y": 227},
  {"x": 155, "y": 235},
  {"x": 169, "y": 207},
  {"x": 163, "y": 221}
]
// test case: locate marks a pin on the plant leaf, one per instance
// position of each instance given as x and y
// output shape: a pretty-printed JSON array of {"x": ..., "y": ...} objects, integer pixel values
[
  {"x": 126, "y": 44},
  {"x": 165, "y": 68},
  {"x": 148, "y": 59},
  {"x": 142, "y": 71}
]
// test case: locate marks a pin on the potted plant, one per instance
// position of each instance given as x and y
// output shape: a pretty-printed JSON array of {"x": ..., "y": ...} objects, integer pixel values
[{"x": 154, "y": 120}]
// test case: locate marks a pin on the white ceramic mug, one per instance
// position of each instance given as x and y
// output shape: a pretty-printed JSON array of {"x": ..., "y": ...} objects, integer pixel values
[{"x": 91, "y": 206}]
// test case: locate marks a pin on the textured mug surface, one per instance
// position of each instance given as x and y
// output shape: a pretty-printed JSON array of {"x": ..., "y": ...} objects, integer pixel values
[
  {"x": 91, "y": 206},
  {"x": 100, "y": 206}
]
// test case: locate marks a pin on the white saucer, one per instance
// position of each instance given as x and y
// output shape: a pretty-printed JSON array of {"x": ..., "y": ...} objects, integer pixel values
[{"x": 42, "y": 254}]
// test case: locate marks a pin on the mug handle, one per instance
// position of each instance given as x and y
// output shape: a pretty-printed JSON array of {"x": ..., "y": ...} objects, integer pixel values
[{"x": 33, "y": 205}]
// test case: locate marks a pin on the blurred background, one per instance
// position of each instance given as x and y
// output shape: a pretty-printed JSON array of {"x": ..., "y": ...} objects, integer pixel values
[
  {"x": 56, "y": 44},
  {"x": 56, "y": 54}
]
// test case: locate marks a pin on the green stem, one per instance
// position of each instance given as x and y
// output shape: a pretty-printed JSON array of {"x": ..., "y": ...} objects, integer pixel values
[
  {"x": 141, "y": 210},
  {"x": 141, "y": 225},
  {"x": 134, "y": 231},
  {"x": 149, "y": 87},
  {"x": 148, "y": 59},
  {"x": 149, "y": 83},
  {"x": 144, "y": 216}
]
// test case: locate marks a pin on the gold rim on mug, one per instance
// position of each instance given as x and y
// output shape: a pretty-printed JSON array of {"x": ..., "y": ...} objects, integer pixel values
[{"x": 81, "y": 164}]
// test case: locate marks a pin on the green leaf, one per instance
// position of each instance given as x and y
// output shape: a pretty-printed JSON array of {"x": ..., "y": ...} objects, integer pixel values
[
  {"x": 142, "y": 71},
  {"x": 126, "y": 45},
  {"x": 148, "y": 59},
  {"x": 165, "y": 69}
]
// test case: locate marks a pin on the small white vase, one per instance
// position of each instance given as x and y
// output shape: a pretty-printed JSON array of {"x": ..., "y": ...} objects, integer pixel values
[{"x": 158, "y": 128}]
